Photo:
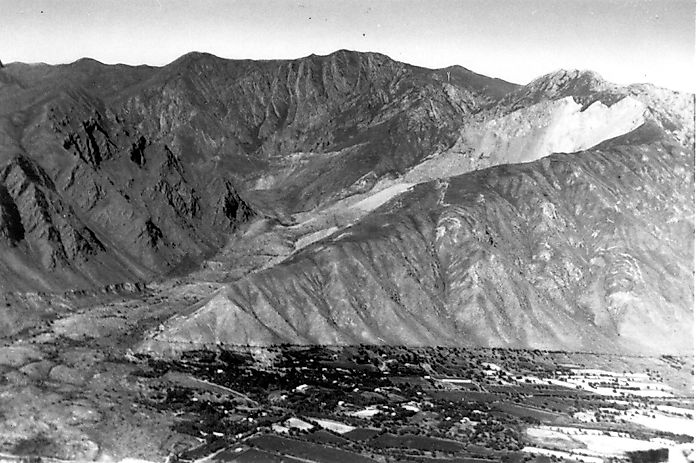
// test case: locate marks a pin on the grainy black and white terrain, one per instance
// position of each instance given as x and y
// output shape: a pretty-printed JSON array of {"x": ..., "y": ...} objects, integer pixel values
[{"x": 342, "y": 258}]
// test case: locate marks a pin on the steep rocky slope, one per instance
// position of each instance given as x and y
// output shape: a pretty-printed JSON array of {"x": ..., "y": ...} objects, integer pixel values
[
  {"x": 303, "y": 130},
  {"x": 586, "y": 251},
  {"x": 148, "y": 163},
  {"x": 561, "y": 112},
  {"x": 41, "y": 230}
]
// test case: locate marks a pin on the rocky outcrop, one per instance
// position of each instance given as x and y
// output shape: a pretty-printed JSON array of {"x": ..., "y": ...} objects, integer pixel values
[
  {"x": 45, "y": 244},
  {"x": 584, "y": 86},
  {"x": 38, "y": 216},
  {"x": 86, "y": 189},
  {"x": 11, "y": 229},
  {"x": 562, "y": 112},
  {"x": 531, "y": 133}
]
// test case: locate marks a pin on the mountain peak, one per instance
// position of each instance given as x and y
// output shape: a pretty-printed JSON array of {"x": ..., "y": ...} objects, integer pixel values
[
  {"x": 566, "y": 77},
  {"x": 194, "y": 57},
  {"x": 345, "y": 51},
  {"x": 85, "y": 61},
  {"x": 577, "y": 83}
]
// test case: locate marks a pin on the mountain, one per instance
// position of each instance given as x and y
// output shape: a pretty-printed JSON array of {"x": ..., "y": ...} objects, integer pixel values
[
  {"x": 556, "y": 253},
  {"x": 351, "y": 198},
  {"x": 144, "y": 165}
]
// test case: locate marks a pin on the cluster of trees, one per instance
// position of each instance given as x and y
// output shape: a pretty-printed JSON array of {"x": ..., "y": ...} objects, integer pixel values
[{"x": 493, "y": 434}]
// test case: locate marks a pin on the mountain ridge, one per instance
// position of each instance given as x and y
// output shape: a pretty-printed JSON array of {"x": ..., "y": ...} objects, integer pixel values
[
  {"x": 328, "y": 272},
  {"x": 108, "y": 115},
  {"x": 250, "y": 172}
]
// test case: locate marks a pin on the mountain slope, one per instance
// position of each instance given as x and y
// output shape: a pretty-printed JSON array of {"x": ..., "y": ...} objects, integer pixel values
[
  {"x": 557, "y": 254},
  {"x": 561, "y": 112},
  {"x": 351, "y": 198},
  {"x": 341, "y": 115},
  {"x": 151, "y": 161}
]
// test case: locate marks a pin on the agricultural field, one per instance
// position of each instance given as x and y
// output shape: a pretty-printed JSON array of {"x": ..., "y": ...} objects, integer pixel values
[{"x": 372, "y": 403}]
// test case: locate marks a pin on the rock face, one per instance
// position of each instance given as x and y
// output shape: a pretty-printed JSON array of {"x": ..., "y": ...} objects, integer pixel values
[{"x": 563, "y": 112}]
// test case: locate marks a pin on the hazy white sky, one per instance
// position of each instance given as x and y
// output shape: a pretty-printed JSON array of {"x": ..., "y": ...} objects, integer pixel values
[{"x": 624, "y": 40}]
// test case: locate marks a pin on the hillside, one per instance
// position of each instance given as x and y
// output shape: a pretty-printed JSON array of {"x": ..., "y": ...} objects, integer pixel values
[
  {"x": 149, "y": 162},
  {"x": 351, "y": 198},
  {"x": 557, "y": 254}
]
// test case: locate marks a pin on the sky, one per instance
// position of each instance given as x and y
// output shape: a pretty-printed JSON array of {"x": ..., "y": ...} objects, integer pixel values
[{"x": 517, "y": 40}]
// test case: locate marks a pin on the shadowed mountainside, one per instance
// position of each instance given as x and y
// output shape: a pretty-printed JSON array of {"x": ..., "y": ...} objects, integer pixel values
[{"x": 138, "y": 168}]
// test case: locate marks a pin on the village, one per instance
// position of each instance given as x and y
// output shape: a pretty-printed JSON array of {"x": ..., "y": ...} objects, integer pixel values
[{"x": 373, "y": 403}]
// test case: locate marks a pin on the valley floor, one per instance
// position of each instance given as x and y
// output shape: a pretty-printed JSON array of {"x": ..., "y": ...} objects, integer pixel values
[{"x": 70, "y": 392}]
